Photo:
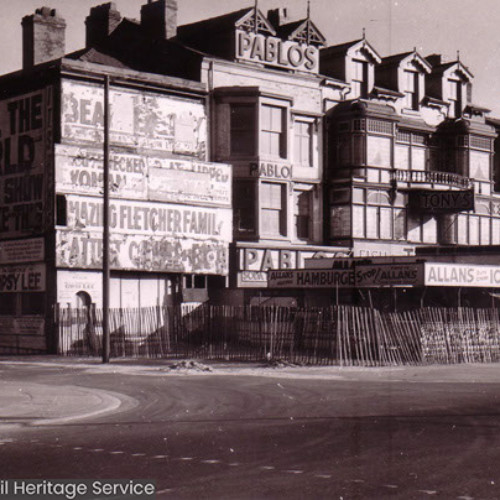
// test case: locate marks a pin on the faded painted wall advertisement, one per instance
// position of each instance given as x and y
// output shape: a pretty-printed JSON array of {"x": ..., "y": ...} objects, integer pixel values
[
  {"x": 152, "y": 219},
  {"x": 28, "y": 278},
  {"x": 138, "y": 119},
  {"x": 28, "y": 250},
  {"x": 143, "y": 253},
  {"x": 23, "y": 124},
  {"x": 80, "y": 170}
]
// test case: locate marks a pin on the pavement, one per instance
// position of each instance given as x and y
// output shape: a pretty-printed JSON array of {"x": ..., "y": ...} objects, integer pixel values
[{"x": 25, "y": 402}]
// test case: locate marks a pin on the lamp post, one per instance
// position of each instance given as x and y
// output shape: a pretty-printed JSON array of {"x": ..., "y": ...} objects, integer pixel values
[{"x": 105, "y": 231}]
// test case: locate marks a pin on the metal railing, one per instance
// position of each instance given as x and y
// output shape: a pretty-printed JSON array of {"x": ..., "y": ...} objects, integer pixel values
[{"x": 430, "y": 177}]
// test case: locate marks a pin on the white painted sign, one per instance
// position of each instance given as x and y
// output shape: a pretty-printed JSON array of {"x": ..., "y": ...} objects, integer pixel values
[
  {"x": 139, "y": 119},
  {"x": 273, "y": 51},
  {"x": 144, "y": 253},
  {"x": 146, "y": 177},
  {"x": 29, "y": 278},
  {"x": 28, "y": 250},
  {"x": 465, "y": 275},
  {"x": 69, "y": 283},
  {"x": 151, "y": 219}
]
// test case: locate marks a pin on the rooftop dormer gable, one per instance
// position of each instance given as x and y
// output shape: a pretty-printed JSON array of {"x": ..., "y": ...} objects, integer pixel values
[
  {"x": 254, "y": 21},
  {"x": 362, "y": 50}
]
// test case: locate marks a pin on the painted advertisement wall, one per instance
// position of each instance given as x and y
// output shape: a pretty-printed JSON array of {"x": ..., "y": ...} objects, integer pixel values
[
  {"x": 140, "y": 119},
  {"x": 24, "y": 163},
  {"x": 146, "y": 236},
  {"x": 146, "y": 177},
  {"x": 22, "y": 278}
]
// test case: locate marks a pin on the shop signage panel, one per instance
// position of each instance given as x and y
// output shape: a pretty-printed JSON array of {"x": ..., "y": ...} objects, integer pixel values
[
  {"x": 435, "y": 201},
  {"x": 23, "y": 133},
  {"x": 310, "y": 278},
  {"x": 27, "y": 278},
  {"x": 28, "y": 250},
  {"x": 465, "y": 275},
  {"x": 254, "y": 263},
  {"x": 80, "y": 170},
  {"x": 142, "y": 253},
  {"x": 380, "y": 275},
  {"x": 271, "y": 170},
  {"x": 269, "y": 50},
  {"x": 151, "y": 219},
  {"x": 138, "y": 119},
  {"x": 69, "y": 283}
]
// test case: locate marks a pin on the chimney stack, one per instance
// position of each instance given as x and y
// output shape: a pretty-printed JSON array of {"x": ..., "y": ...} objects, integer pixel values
[
  {"x": 100, "y": 23},
  {"x": 434, "y": 59},
  {"x": 43, "y": 37},
  {"x": 278, "y": 17},
  {"x": 159, "y": 18}
]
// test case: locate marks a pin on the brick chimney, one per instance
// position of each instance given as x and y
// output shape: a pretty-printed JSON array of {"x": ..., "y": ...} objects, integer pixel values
[
  {"x": 278, "y": 17},
  {"x": 434, "y": 59},
  {"x": 100, "y": 23},
  {"x": 159, "y": 18},
  {"x": 43, "y": 37}
]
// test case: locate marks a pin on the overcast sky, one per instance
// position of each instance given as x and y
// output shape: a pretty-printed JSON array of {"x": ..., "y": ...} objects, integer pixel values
[{"x": 392, "y": 26}]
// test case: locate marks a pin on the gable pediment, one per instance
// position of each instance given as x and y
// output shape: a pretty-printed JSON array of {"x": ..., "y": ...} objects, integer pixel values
[
  {"x": 364, "y": 49},
  {"x": 416, "y": 60},
  {"x": 307, "y": 33},
  {"x": 255, "y": 22}
]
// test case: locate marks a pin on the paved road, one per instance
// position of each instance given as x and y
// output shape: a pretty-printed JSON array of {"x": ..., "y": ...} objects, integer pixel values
[{"x": 350, "y": 434}]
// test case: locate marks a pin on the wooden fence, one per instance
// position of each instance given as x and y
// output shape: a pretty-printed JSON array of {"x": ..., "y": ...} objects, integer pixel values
[{"x": 343, "y": 335}]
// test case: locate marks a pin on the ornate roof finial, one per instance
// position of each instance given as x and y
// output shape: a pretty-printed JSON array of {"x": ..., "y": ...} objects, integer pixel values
[
  {"x": 364, "y": 33},
  {"x": 256, "y": 8},
  {"x": 458, "y": 55},
  {"x": 308, "y": 10},
  {"x": 415, "y": 49}
]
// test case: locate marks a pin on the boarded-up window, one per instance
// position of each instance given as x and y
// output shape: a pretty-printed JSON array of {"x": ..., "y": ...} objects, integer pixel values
[
  {"x": 358, "y": 221},
  {"x": 303, "y": 214},
  {"x": 417, "y": 158},
  {"x": 303, "y": 135},
  {"x": 273, "y": 131},
  {"x": 244, "y": 206},
  {"x": 273, "y": 216},
  {"x": 379, "y": 151},
  {"x": 242, "y": 129},
  {"x": 402, "y": 157}
]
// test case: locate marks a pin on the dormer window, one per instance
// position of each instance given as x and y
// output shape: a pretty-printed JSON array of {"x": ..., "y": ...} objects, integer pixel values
[
  {"x": 455, "y": 97},
  {"x": 360, "y": 78},
  {"x": 411, "y": 91}
]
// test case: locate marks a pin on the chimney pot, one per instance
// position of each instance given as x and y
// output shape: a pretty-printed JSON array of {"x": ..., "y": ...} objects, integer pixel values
[
  {"x": 43, "y": 37},
  {"x": 159, "y": 18},
  {"x": 278, "y": 17},
  {"x": 101, "y": 22}
]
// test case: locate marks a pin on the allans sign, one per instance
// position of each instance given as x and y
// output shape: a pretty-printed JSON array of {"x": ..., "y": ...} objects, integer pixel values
[{"x": 276, "y": 52}]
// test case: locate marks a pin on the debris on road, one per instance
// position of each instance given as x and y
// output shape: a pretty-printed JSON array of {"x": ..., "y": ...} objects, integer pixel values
[{"x": 190, "y": 365}]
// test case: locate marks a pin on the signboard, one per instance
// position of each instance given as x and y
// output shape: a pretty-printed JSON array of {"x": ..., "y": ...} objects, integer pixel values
[
  {"x": 23, "y": 332},
  {"x": 23, "y": 125},
  {"x": 138, "y": 119},
  {"x": 27, "y": 278},
  {"x": 309, "y": 278},
  {"x": 69, "y": 283},
  {"x": 254, "y": 263},
  {"x": 80, "y": 170},
  {"x": 144, "y": 253},
  {"x": 269, "y": 170},
  {"x": 380, "y": 275},
  {"x": 151, "y": 219},
  {"x": 465, "y": 275},
  {"x": 29, "y": 250},
  {"x": 434, "y": 201},
  {"x": 273, "y": 51}
]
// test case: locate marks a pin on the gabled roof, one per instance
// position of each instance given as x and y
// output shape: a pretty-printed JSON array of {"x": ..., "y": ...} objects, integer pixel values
[
  {"x": 341, "y": 50},
  {"x": 303, "y": 31},
  {"x": 396, "y": 59},
  {"x": 440, "y": 68}
]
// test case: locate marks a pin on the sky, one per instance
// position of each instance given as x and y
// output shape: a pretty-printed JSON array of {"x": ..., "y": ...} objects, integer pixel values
[{"x": 392, "y": 26}]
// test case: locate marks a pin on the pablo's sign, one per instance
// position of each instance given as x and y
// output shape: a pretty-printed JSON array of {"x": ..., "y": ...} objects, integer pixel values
[
  {"x": 276, "y": 52},
  {"x": 271, "y": 170}
]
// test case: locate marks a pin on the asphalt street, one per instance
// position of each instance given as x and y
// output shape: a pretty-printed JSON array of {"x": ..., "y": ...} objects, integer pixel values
[{"x": 250, "y": 432}]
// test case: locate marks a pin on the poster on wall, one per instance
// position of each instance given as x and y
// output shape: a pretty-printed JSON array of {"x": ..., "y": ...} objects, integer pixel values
[
  {"x": 22, "y": 278},
  {"x": 27, "y": 250},
  {"x": 142, "y": 253},
  {"x": 23, "y": 129},
  {"x": 138, "y": 119},
  {"x": 144, "y": 177}
]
